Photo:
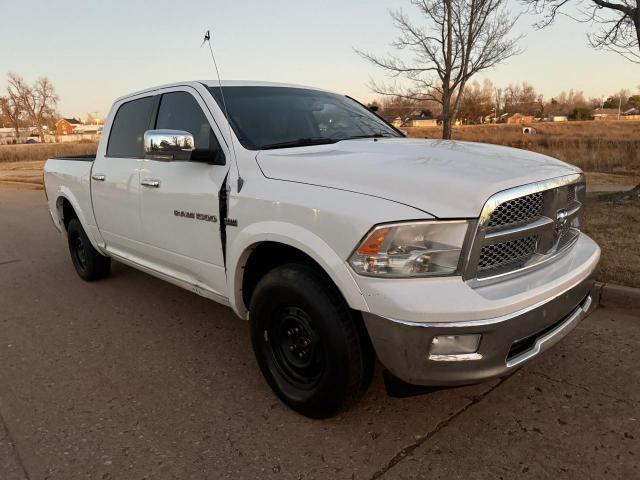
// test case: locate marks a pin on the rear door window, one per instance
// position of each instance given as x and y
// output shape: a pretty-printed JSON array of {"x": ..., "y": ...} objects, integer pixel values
[{"x": 129, "y": 125}]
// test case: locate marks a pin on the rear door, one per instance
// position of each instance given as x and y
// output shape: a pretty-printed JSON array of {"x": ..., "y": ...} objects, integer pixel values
[
  {"x": 180, "y": 199},
  {"x": 115, "y": 179}
]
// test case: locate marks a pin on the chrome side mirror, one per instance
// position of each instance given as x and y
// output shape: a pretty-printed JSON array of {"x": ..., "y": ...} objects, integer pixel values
[{"x": 168, "y": 145}]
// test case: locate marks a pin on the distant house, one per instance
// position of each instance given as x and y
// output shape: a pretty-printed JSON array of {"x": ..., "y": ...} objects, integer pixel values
[
  {"x": 395, "y": 121},
  {"x": 631, "y": 114},
  {"x": 558, "y": 118},
  {"x": 8, "y": 135},
  {"x": 420, "y": 121},
  {"x": 66, "y": 126},
  {"x": 88, "y": 129},
  {"x": 605, "y": 114},
  {"x": 518, "y": 118}
]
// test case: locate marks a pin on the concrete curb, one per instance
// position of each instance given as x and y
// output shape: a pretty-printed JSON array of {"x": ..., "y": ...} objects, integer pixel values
[{"x": 617, "y": 296}]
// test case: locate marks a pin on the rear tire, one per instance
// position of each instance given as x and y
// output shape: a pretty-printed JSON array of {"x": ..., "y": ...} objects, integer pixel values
[
  {"x": 311, "y": 348},
  {"x": 89, "y": 263}
]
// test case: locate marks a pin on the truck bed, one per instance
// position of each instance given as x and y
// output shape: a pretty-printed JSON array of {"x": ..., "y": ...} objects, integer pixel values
[
  {"x": 76, "y": 158},
  {"x": 70, "y": 178}
]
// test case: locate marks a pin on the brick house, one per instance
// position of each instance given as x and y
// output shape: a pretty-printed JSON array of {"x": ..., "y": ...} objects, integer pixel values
[{"x": 66, "y": 126}]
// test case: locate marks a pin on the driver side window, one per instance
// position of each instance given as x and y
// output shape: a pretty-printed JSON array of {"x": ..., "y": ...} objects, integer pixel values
[{"x": 180, "y": 111}]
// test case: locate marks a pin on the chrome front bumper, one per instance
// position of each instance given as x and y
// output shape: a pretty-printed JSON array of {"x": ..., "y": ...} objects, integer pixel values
[{"x": 507, "y": 342}]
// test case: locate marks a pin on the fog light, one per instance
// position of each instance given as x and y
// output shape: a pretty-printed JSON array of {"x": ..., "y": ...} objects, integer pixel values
[{"x": 455, "y": 347}]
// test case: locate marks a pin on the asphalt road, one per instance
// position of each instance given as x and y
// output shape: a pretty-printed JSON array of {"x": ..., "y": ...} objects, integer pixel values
[{"x": 132, "y": 378}]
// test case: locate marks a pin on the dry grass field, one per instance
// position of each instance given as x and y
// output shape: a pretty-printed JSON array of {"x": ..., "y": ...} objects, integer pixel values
[{"x": 42, "y": 151}]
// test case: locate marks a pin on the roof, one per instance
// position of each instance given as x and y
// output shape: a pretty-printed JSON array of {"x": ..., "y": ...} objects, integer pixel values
[
  {"x": 420, "y": 117},
  {"x": 604, "y": 111},
  {"x": 13, "y": 130},
  {"x": 88, "y": 128},
  {"x": 72, "y": 121},
  {"x": 215, "y": 83}
]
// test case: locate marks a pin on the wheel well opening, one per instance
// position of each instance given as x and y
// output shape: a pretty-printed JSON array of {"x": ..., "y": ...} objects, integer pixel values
[
  {"x": 68, "y": 213},
  {"x": 265, "y": 257}
]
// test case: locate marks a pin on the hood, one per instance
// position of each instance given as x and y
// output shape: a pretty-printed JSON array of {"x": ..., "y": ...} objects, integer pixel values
[{"x": 447, "y": 179}]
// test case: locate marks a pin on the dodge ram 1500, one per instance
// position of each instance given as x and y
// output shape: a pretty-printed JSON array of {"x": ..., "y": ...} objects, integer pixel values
[{"x": 336, "y": 237}]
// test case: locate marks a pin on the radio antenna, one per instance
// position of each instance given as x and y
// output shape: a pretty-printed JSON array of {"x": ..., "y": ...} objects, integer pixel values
[{"x": 207, "y": 39}]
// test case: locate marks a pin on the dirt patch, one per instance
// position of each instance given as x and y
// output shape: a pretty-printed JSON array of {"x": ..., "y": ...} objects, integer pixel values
[{"x": 27, "y": 173}]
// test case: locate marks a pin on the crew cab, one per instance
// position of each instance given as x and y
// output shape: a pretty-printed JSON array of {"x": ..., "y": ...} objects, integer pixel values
[{"x": 339, "y": 239}]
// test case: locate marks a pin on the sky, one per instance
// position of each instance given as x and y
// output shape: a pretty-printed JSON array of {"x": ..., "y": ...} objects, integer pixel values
[{"x": 96, "y": 51}]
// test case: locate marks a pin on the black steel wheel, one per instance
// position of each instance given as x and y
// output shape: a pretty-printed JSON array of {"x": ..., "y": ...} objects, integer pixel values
[
  {"x": 296, "y": 347},
  {"x": 88, "y": 262},
  {"x": 311, "y": 348}
]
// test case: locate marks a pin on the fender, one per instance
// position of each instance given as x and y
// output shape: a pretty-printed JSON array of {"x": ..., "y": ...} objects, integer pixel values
[
  {"x": 293, "y": 236},
  {"x": 63, "y": 192}
]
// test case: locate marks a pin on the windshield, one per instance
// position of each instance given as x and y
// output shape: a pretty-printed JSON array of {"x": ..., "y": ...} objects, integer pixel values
[{"x": 282, "y": 117}]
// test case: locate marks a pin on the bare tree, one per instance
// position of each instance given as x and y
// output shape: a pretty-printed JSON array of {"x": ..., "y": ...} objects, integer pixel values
[
  {"x": 477, "y": 102},
  {"x": 618, "y": 20},
  {"x": 38, "y": 100},
  {"x": 458, "y": 39},
  {"x": 11, "y": 110}
]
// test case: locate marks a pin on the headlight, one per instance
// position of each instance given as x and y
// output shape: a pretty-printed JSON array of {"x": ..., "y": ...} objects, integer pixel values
[{"x": 420, "y": 249}]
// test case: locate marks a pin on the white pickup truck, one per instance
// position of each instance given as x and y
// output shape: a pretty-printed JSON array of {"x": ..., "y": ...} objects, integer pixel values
[{"x": 339, "y": 239}]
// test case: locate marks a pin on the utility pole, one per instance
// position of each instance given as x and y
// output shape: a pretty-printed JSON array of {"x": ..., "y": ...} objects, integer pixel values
[{"x": 619, "y": 105}]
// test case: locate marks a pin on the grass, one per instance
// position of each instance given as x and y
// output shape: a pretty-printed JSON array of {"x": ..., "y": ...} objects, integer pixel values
[
  {"x": 616, "y": 228},
  {"x": 42, "y": 151}
]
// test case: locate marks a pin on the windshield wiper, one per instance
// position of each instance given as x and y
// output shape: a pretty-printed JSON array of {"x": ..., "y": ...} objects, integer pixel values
[
  {"x": 373, "y": 135},
  {"x": 300, "y": 142}
]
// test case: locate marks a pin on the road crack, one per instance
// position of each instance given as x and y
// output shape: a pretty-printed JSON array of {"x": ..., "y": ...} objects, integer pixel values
[
  {"x": 4, "y": 432},
  {"x": 406, "y": 451},
  {"x": 7, "y": 262}
]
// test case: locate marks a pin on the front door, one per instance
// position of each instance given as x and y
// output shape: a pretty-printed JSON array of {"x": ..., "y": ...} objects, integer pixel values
[{"x": 180, "y": 199}]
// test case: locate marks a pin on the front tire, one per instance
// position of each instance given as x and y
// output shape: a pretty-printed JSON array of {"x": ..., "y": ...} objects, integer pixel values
[
  {"x": 312, "y": 350},
  {"x": 89, "y": 263}
]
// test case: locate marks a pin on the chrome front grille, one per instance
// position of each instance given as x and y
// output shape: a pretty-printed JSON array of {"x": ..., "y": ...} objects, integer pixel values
[
  {"x": 507, "y": 255},
  {"x": 517, "y": 210},
  {"x": 525, "y": 227}
]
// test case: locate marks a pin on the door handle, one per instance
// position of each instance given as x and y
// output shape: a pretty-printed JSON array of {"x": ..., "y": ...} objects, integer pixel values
[
  {"x": 98, "y": 177},
  {"x": 150, "y": 182}
]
